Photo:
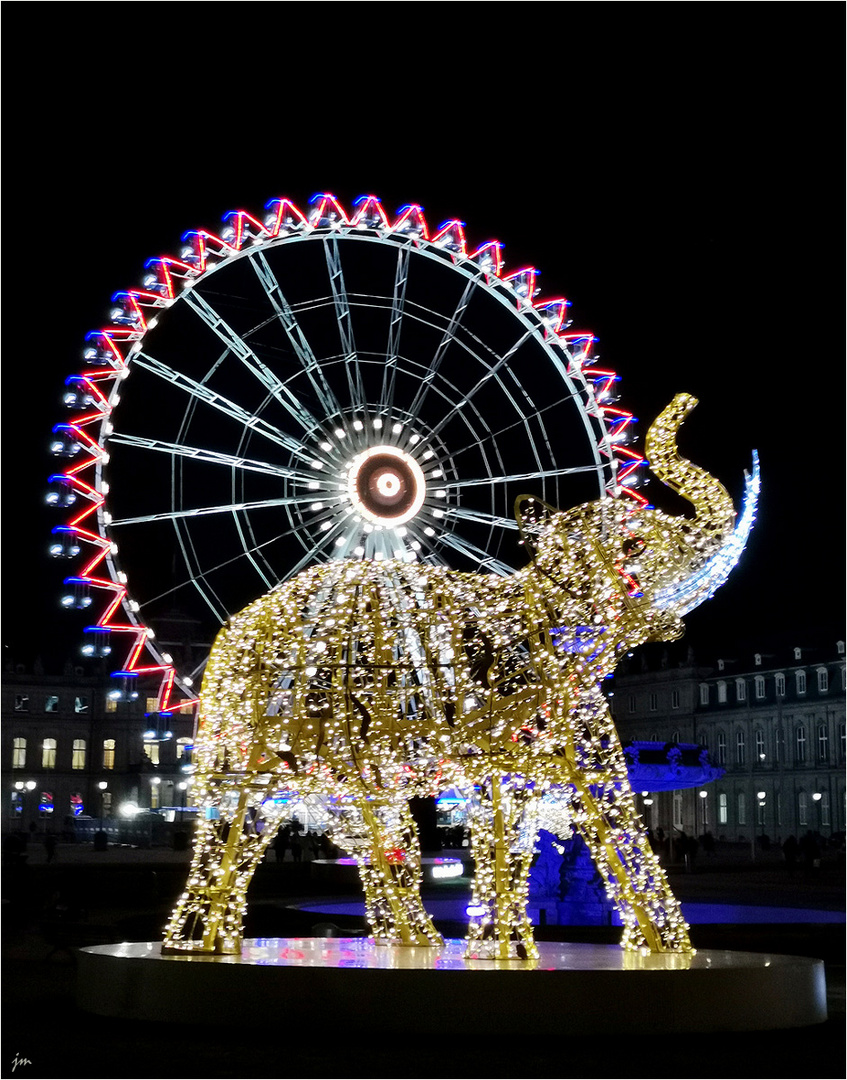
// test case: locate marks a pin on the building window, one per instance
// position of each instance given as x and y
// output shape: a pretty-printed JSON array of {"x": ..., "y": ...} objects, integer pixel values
[
  {"x": 80, "y": 704},
  {"x": 675, "y": 738},
  {"x": 48, "y": 754},
  {"x": 798, "y": 654},
  {"x": 704, "y": 693},
  {"x": 154, "y": 796},
  {"x": 801, "y": 745},
  {"x": 630, "y": 703},
  {"x": 842, "y": 731},
  {"x": 654, "y": 702},
  {"x": 722, "y": 693},
  {"x": 801, "y": 682},
  {"x": 722, "y": 812},
  {"x": 183, "y": 750},
  {"x": 78, "y": 756},
  {"x": 779, "y": 745},
  {"x": 757, "y": 659},
  {"x": 674, "y": 699},
  {"x": 151, "y": 749},
  {"x": 45, "y": 804},
  {"x": 760, "y": 745},
  {"x": 106, "y": 804},
  {"x": 108, "y": 753},
  {"x": 21, "y": 702},
  {"x": 823, "y": 743},
  {"x": 823, "y": 680},
  {"x": 740, "y": 748},
  {"x": 779, "y": 680},
  {"x": 740, "y": 690},
  {"x": 742, "y": 808},
  {"x": 77, "y": 805},
  {"x": 111, "y": 705},
  {"x": 760, "y": 687},
  {"x": 721, "y": 748},
  {"x": 51, "y": 703},
  {"x": 824, "y": 805},
  {"x": 779, "y": 808},
  {"x": 677, "y": 810},
  {"x": 18, "y": 753},
  {"x": 802, "y": 809}
]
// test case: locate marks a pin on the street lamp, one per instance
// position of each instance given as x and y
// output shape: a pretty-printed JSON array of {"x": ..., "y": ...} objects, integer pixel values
[{"x": 761, "y": 795}]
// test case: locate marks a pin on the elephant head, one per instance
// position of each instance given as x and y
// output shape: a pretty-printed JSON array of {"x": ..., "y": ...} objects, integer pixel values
[{"x": 622, "y": 574}]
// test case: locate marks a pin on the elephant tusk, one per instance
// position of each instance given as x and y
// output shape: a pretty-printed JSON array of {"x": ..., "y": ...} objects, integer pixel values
[{"x": 686, "y": 595}]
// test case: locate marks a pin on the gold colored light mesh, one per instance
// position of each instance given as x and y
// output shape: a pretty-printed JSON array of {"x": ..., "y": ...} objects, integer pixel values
[{"x": 372, "y": 682}]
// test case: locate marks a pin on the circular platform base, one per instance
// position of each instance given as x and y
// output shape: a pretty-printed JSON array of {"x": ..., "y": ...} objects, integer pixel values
[{"x": 356, "y": 985}]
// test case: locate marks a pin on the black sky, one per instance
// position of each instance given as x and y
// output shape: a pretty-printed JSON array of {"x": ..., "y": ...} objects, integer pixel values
[{"x": 676, "y": 171}]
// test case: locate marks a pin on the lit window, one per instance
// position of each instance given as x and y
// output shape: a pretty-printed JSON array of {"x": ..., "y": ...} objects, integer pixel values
[
  {"x": 80, "y": 704},
  {"x": 760, "y": 687},
  {"x": 801, "y": 682},
  {"x": 722, "y": 693},
  {"x": 722, "y": 809},
  {"x": 45, "y": 804},
  {"x": 48, "y": 754},
  {"x": 183, "y": 750},
  {"x": 51, "y": 703},
  {"x": 801, "y": 744},
  {"x": 779, "y": 680},
  {"x": 151, "y": 749},
  {"x": 78, "y": 756},
  {"x": 108, "y": 753},
  {"x": 18, "y": 753}
]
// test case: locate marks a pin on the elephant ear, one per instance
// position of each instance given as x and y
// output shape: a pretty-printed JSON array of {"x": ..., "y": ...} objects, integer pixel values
[{"x": 533, "y": 517}]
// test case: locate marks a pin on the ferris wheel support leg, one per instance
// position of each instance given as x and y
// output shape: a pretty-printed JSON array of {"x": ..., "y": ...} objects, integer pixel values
[
  {"x": 384, "y": 837},
  {"x": 606, "y": 818},
  {"x": 227, "y": 849},
  {"x": 500, "y": 928}
]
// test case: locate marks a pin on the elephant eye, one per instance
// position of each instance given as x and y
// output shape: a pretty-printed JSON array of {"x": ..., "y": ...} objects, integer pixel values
[{"x": 633, "y": 545}]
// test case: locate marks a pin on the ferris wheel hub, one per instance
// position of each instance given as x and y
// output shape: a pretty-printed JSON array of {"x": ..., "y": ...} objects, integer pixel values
[{"x": 386, "y": 485}]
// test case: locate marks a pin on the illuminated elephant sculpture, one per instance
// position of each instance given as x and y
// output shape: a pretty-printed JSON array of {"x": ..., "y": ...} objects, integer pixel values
[{"x": 372, "y": 682}]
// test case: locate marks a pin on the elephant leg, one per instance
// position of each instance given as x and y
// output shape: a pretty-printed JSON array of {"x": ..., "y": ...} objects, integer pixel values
[
  {"x": 500, "y": 928},
  {"x": 606, "y": 817},
  {"x": 209, "y": 915},
  {"x": 384, "y": 838}
]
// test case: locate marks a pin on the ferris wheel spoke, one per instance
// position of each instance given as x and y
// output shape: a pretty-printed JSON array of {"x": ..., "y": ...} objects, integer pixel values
[
  {"x": 202, "y": 511},
  {"x": 209, "y": 457},
  {"x": 492, "y": 373},
  {"x": 509, "y": 478},
  {"x": 398, "y": 301},
  {"x": 294, "y": 332},
  {"x": 341, "y": 302},
  {"x": 202, "y": 392},
  {"x": 240, "y": 349},
  {"x": 447, "y": 337},
  {"x": 481, "y": 517},
  {"x": 482, "y": 558}
]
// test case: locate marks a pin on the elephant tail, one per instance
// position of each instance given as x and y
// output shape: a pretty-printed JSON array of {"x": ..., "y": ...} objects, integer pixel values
[{"x": 712, "y": 503}]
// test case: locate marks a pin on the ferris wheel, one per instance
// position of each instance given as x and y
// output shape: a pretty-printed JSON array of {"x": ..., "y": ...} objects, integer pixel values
[{"x": 311, "y": 385}]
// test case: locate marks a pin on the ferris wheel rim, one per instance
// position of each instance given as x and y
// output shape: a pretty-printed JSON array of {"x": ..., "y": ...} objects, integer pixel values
[{"x": 456, "y": 259}]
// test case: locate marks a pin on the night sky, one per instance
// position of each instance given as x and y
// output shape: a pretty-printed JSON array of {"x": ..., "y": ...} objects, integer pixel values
[{"x": 677, "y": 176}]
